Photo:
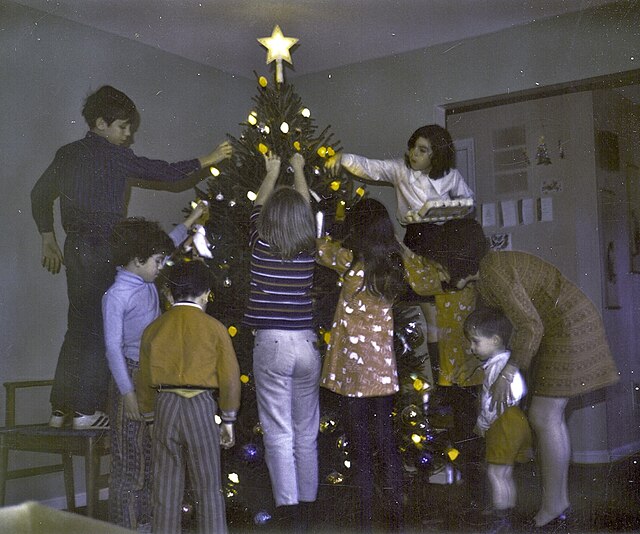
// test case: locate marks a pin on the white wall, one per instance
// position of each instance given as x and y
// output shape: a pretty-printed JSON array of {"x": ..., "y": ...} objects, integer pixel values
[
  {"x": 614, "y": 114},
  {"x": 374, "y": 106},
  {"x": 47, "y": 67}
]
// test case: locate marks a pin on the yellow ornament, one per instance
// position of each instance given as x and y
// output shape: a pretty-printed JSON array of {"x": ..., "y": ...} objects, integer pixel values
[
  {"x": 418, "y": 384},
  {"x": 360, "y": 191},
  {"x": 322, "y": 151},
  {"x": 263, "y": 81},
  {"x": 327, "y": 337},
  {"x": 244, "y": 379},
  {"x": 296, "y": 145},
  {"x": 232, "y": 330},
  {"x": 214, "y": 171},
  {"x": 341, "y": 210},
  {"x": 453, "y": 454},
  {"x": 262, "y": 148},
  {"x": 335, "y": 185},
  {"x": 331, "y": 152}
]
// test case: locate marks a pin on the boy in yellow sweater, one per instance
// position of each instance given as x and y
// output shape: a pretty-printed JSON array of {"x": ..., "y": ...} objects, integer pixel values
[{"x": 185, "y": 357}]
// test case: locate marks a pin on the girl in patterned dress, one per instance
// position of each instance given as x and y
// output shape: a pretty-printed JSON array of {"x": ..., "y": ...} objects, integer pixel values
[{"x": 360, "y": 363}]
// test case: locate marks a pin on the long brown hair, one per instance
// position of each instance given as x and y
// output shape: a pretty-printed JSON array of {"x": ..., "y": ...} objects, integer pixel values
[
  {"x": 372, "y": 240},
  {"x": 287, "y": 223}
]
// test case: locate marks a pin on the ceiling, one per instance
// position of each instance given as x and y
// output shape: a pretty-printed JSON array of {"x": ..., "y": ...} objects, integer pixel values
[{"x": 331, "y": 33}]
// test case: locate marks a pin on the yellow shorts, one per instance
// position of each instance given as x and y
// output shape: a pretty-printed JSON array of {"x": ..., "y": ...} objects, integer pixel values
[{"x": 509, "y": 438}]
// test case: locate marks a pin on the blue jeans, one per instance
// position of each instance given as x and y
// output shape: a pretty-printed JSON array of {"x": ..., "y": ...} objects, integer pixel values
[{"x": 286, "y": 366}]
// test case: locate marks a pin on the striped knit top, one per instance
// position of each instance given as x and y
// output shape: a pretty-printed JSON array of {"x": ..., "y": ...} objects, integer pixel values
[{"x": 280, "y": 293}]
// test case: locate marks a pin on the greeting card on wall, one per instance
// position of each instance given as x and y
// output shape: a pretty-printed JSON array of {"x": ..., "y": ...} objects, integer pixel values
[
  {"x": 546, "y": 209},
  {"x": 509, "y": 213},
  {"x": 527, "y": 211}
]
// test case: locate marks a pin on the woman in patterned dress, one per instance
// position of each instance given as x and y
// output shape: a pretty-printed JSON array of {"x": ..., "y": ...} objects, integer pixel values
[
  {"x": 360, "y": 363},
  {"x": 558, "y": 339}
]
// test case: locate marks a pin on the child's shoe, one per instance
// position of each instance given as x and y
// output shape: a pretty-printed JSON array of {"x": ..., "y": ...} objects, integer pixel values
[
  {"x": 501, "y": 522},
  {"x": 57, "y": 419},
  {"x": 98, "y": 420}
]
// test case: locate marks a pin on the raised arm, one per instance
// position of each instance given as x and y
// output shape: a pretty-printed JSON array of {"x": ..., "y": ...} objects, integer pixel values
[
  {"x": 299, "y": 180},
  {"x": 221, "y": 152},
  {"x": 375, "y": 170},
  {"x": 272, "y": 165},
  {"x": 199, "y": 210},
  {"x": 181, "y": 232}
]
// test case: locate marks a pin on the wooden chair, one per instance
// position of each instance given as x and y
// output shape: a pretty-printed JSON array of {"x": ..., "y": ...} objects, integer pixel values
[{"x": 92, "y": 444}]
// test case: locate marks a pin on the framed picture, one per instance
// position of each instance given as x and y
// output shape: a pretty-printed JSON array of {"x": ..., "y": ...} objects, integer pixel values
[{"x": 633, "y": 207}]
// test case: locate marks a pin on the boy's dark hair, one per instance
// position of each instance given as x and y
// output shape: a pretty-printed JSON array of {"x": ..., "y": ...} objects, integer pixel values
[
  {"x": 110, "y": 104},
  {"x": 488, "y": 322},
  {"x": 458, "y": 245},
  {"x": 443, "y": 158},
  {"x": 136, "y": 237},
  {"x": 189, "y": 279}
]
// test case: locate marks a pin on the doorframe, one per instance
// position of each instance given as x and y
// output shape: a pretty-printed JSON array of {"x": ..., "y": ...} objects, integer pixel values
[{"x": 610, "y": 81}]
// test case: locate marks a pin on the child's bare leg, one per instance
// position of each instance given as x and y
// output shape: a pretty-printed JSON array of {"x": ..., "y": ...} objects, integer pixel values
[
  {"x": 503, "y": 487},
  {"x": 546, "y": 415}
]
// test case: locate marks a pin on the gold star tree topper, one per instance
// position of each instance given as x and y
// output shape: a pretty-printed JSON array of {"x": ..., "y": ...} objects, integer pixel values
[{"x": 278, "y": 49}]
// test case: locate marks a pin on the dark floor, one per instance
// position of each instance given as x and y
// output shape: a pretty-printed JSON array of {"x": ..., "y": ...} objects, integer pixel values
[{"x": 604, "y": 498}]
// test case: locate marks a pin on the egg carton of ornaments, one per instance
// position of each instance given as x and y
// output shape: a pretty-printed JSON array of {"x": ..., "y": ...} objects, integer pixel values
[{"x": 441, "y": 210}]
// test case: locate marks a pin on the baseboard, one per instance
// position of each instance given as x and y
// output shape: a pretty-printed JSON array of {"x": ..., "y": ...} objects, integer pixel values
[
  {"x": 60, "y": 503},
  {"x": 605, "y": 456}
]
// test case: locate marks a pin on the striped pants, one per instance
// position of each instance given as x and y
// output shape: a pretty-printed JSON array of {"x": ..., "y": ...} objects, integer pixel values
[
  {"x": 130, "y": 480},
  {"x": 185, "y": 435}
]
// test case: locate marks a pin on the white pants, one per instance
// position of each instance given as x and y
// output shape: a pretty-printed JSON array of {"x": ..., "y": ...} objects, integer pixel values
[{"x": 286, "y": 366}]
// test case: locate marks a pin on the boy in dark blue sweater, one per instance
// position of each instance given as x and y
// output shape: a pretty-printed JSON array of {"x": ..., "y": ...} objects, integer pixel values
[{"x": 90, "y": 177}]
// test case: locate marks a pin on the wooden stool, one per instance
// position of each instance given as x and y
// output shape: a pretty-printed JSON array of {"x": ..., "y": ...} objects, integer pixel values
[{"x": 92, "y": 444}]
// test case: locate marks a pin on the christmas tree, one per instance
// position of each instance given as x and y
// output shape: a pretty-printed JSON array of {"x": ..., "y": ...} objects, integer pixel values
[{"x": 279, "y": 123}]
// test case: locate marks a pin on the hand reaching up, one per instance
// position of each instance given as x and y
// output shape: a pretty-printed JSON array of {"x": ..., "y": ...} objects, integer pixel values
[
  {"x": 297, "y": 161},
  {"x": 272, "y": 164}
]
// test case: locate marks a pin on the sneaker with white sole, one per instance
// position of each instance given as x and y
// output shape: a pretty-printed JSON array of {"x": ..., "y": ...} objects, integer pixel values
[
  {"x": 98, "y": 420},
  {"x": 57, "y": 419}
]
